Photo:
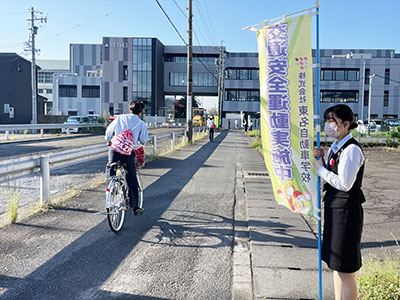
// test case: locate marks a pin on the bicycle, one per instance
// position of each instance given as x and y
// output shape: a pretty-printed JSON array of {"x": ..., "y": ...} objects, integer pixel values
[{"x": 117, "y": 196}]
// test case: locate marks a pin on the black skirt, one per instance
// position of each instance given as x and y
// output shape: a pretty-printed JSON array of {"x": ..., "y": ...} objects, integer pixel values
[{"x": 342, "y": 238}]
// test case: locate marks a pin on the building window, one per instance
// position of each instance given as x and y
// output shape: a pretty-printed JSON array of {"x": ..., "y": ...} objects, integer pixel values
[
  {"x": 67, "y": 91},
  {"x": 367, "y": 74},
  {"x": 49, "y": 91},
  {"x": 242, "y": 95},
  {"x": 90, "y": 91},
  {"x": 339, "y": 96},
  {"x": 366, "y": 98},
  {"x": 125, "y": 94},
  {"x": 49, "y": 107},
  {"x": 40, "y": 91},
  {"x": 241, "y": 74},
  {"x": 386, "y": 98},
  {"x": 387, "y": 76},
  {"x": 199, "y": 79},
  {"x": 125, "y": 76},
  {"x": 40, "y": 77},
  {"x": 141, "y": 74},
  {"x": 340, "y": 74},
  {"x": 72, "y": 113}
]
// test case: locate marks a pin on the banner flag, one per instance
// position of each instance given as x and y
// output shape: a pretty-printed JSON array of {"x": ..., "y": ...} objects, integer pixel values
[{"x": 287, "y": 124}]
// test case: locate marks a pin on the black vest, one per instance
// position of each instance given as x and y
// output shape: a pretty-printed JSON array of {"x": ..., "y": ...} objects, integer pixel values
[{"x": 335, "y": 198}]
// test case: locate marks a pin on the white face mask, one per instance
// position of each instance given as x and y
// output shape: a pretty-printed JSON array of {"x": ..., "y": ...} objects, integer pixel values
[{"x": 331, "y": 130}]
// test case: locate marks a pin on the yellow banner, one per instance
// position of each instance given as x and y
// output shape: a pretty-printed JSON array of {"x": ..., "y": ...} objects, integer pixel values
[{"x": 287, "y": 126}]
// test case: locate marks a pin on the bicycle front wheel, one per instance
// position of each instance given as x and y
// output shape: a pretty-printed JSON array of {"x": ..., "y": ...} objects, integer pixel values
[{"x": 115, "y": 205}]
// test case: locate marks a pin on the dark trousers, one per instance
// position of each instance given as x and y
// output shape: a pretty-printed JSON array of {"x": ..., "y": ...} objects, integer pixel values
[
  {"x": 131, "y": 179},
  {"x": 211, "y": 134}
]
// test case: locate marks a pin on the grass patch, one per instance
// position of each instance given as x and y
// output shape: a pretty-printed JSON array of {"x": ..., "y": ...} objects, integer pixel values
[
  {"x": 256, "y": 143},
  {"x": 379, "y": 278},
  {"x": 13, "y": 196},
  {"x": 253, "y": 133}
]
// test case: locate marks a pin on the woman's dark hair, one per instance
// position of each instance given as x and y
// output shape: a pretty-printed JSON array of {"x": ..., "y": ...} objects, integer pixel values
[
  {"x": 136, "y": 107},
  {"x": 343, "y": 112}
]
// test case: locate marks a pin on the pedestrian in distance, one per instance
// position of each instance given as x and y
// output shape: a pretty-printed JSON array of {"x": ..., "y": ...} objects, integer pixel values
[
  {"x": 236, "y": 124},
  {"x": 211, "y": 127},
  {"x": 251, "y": 125},
  {"x": 139, "y": 130},
  {"x": 244, "y": 123},
  {"x": 342, "y": 172}
]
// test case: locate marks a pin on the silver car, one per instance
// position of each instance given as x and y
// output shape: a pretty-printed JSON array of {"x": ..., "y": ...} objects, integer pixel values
[{"x": 78, "y": 120}]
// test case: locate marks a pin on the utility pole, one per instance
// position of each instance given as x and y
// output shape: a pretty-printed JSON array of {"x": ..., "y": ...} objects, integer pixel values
[
  {"x": 220, "y": 70},
  {"x": 189, "y": 125},
  {"x": 34, "y": 30},
  {"x": 369, "y": 103},
  {"x": 362, "y": 93}
]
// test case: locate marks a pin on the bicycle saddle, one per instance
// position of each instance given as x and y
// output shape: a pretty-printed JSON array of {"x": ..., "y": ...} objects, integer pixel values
[{"x": 117, "y": 164}]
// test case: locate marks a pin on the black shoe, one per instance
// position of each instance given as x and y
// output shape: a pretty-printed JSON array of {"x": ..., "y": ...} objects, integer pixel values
[{"x": 137, "y": 211}]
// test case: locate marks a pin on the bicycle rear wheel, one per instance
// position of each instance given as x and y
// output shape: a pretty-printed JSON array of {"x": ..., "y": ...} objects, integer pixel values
[{"x": 115, "y": 205}]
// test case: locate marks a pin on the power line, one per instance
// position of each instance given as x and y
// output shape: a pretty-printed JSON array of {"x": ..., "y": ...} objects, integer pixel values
[
  {"x": 170, "y": 21},
  {"x": 208, "y": 15},
  {"x": 173, "y": 25},
  {"x": 180, "y": 9},
  {"x": 205, "y": 23},
  {"x": 91, "y": 21}
]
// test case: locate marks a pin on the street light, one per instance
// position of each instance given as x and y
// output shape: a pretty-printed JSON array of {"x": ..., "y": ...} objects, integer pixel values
[{"x": 369, "y": 102}]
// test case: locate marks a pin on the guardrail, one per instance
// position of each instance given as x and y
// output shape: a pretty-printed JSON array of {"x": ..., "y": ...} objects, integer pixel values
[
  {"x": 43, "y": 163},
  {"x": 21, "y": 127}
]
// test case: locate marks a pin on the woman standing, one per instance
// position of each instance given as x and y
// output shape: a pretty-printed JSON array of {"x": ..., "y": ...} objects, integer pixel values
[{"x": 343, "y": 214}]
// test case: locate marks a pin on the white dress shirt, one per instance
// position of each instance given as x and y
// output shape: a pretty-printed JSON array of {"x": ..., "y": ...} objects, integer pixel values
[
  {"x": 351, "y": 159},
  {"x": 129, "y": 121},
  {"x": 210, "y": 122}
]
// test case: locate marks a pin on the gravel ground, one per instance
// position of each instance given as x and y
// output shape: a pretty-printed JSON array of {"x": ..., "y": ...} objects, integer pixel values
[{"x": 382, "y": 207}]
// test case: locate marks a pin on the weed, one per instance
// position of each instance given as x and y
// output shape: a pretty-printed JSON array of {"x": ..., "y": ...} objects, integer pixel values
[
  {"x": 14, "y": 193},
  {"x": 253, "y": 133},
  {"x": 256, "y": 143},
  {"x": 13, "y": 136},
  {"x": 379, "y": 278}
]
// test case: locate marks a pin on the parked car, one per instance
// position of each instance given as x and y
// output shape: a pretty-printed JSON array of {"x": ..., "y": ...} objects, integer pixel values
[
  {"x": 379, "y": 123},
  {"x": 94, "y": 118},
  {"x": 363, "y": 126},
  {"x": 392, "y": 123},
  {"x": 78, "y": 120}
]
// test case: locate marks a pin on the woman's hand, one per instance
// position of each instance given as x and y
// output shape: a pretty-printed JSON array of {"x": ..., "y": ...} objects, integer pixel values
[
  {"x": 318, "y": 152},
  {"x": 318, "y": 157}
]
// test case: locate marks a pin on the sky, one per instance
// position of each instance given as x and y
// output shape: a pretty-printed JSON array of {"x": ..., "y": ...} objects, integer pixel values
[{"x": 344, "y": 24}]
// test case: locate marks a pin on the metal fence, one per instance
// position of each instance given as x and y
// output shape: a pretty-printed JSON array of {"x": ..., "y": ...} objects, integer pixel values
[
  {"x": 42, "y": 127},
  {"x": 43, "y": 163}
]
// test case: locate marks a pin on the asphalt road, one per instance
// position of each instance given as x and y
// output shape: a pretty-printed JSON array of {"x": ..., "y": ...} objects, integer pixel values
[
  {"x": 54, "y": 143},
  {"x": 180, "y": 248},
  {"x": 65, "y": 177}
]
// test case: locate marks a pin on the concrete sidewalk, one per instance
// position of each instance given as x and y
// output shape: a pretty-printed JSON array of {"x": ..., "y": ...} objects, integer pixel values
[{"x": 282, "y": 251}]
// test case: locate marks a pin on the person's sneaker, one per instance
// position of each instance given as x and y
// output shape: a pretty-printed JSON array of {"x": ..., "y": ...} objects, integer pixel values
[{"x": 137, "y": 211}]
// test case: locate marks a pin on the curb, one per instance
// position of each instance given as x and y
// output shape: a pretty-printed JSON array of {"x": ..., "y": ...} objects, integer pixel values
[{"x": 242, "y": 284}]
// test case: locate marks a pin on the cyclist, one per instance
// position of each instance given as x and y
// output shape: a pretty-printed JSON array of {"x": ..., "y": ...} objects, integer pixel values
[{"x": 133, "y": 122}]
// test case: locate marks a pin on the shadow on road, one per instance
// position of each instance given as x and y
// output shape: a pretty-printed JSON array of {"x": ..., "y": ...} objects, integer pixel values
[{"x": 88, "y": 261}]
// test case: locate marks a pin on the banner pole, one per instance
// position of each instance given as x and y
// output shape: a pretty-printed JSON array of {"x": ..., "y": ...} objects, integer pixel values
[{"x": 318, "y": 145}]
